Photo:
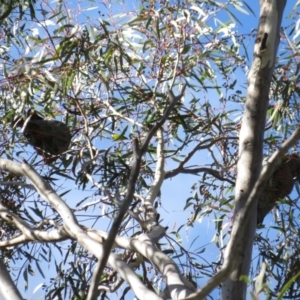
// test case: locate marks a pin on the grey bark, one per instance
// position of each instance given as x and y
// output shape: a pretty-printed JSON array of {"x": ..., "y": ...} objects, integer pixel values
[{"x": 251, "y": 140}]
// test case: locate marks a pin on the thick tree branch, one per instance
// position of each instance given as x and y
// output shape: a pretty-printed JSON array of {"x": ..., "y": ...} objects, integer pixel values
[
  {"x": 159, "y": 172},
  {"x": 251, "y": 141},
  {"x": 143, "y": 245},
  {"x": 52, "y": 236},
  {"x": 165, "y": 265},
  {"x": 72, "y": 227},
  {"x": 8, "y": 290}
]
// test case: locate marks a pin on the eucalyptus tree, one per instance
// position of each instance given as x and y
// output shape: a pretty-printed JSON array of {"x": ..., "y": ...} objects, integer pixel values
[{"x": 149, "y": 94}]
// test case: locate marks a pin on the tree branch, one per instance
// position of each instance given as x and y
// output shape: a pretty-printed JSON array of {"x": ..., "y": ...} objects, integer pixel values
[
  {"x": 72, "y": 227},
  {"x": 173, "y": 101},
  {"x": 150, "y": 212},
  {"x": 137, "y": 158},
  {"x": 234, "y": 246},
  {"x": 8, "y": 290},
  {"x": 196, "y": 171},
  {"x": 202, "y": 145},
  {"x": 251, "y": 144},
  {"x": 144, "y": 246},
  {"x": 29, "y": 234},
  {"x": 93, "y": 290},
  {"x": 115, "y": 113}
]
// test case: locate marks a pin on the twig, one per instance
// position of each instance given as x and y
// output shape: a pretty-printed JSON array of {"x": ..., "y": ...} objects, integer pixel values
[
  {"x": 195, "y": 171},
  {"x": 115, "y": 113}
]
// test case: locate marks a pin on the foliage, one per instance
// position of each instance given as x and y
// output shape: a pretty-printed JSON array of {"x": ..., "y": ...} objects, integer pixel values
[{"x": 109, "y": 75}]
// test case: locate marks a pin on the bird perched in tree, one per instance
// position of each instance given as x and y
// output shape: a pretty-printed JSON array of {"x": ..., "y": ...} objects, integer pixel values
[
  {"x": 279, "y": 185},
  {"x": 49, "y": 138}
]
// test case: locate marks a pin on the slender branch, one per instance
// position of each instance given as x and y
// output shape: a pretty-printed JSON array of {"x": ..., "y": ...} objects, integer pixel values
[
  {"x": 93, "y": 291},
  {"x": 173, "y": 101},
  {"x": 115, "y": 113},
  {"x": 210, "y": 285},
  {"x": 196, "y": 171},
  {"x": 137, "y": 159},
  {"x": 202, "y": 145},
  {"x": 86, "y": 126},
  {"x": 85, "y": 206}
]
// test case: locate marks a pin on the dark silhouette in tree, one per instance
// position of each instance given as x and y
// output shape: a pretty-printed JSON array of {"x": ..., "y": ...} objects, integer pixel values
[
  {"x": 49, "y": 138},
  {"x": 279, "y": 185}
]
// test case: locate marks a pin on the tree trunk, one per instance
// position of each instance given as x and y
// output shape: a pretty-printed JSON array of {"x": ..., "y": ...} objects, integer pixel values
[{"x": 251, "y": 137}]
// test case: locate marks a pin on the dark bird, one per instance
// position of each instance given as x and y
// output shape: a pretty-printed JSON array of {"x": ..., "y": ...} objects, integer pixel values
[
  {"x": 49, "y": 138},
  {"x": 279, "y": 185}
]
